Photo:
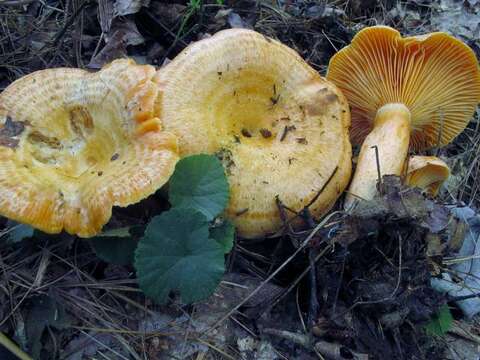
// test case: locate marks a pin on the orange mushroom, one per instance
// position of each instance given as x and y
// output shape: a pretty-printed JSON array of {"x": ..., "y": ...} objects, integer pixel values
[
  {"x": 73, "y": 144},
  {"x": 280, "y": 129},
  {"x": 427, "y": 173},
  {"x": 412, "y": 92}
]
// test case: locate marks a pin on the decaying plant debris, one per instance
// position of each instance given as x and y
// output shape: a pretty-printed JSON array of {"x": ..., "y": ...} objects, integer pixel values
[{"x": 371, "y": 268}]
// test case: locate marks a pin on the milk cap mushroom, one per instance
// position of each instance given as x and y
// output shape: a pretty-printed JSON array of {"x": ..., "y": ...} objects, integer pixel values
[
  {"x": 280, "y": 129},
  {"x": 427, "y": 173},
  {"x": 415, "y": 92},
  {"x": 73, "y": 144}
]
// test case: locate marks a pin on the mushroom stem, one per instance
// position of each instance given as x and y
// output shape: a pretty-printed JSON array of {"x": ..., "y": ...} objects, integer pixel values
[{"x": 391, "y": 136}]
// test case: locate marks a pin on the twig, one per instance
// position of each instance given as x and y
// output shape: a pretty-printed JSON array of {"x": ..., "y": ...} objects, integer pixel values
[
  {"x": 69, "y": 23},
  {"x": 313, "y": 306},
  {"x": 323, "y": 188},
  {"x": 301, "y": 339},
  {"x": 179, "y": 36},
  {"x": 13, "y": 348},
  {"x": 464, "y": 297},
  {"x": 286, "y": 224},
  {"x": 300, "y": 311},
  {"x": 389, "y": 297},
  {"x": 103, "y": 345},
  {"x": 337, "y": 291},
  {"x": 337, "y": 351},
  {"x": 19, "y": 303},
  {"x": 330, "y": 41},
  {"x": 283, "y": 216},
  {"x": 268, "y": 279},
  {"x": 15, "y": 2},
  {"x": 125, "y": 332},
  {"x": 298, "y": 279},
  {"x": 164, "y": 27},
  {"x": 379, "y": 173},
  {"x": 459, "y": 330},
  {"x": 244, "y": 327},
  {"x": 213, "y": 347},
  {"x": 322, "y": 348}
]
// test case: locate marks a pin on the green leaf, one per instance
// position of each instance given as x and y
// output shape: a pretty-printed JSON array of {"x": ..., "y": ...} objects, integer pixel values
[
  {"x": 440, "y": 323},
  {"x": 17, "y": 232},
  {"x": 120, "y": 232},
  {"x": 115, "y": 246},
  {"x": 224, "y": 235},
  {"x": 177, "y": 254},
  {"x": 199, "y": 182},
  {"x": 44, "y": 311}
]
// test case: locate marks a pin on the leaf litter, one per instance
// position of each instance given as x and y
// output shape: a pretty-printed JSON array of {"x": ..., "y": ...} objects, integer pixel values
[{"x": 373, "y": 267}]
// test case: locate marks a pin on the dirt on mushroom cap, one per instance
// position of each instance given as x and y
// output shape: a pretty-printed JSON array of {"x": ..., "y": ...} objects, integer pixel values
[
  {"x": 436, "y": 76},
  {"x": 78, "y": 152},
  {"x": 281, "y": 129}
]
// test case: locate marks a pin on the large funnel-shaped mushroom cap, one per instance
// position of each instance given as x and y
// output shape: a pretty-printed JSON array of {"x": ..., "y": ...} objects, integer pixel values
[
  {"x": 427, "y": 173},
  {"x": 73, "y": 144},
  {"x": 435, "y": 76},
  {"x": 279, "y": 127}
]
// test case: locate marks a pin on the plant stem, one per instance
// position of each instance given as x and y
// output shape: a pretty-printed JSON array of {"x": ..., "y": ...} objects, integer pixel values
[{"x": 13, "y": 348}]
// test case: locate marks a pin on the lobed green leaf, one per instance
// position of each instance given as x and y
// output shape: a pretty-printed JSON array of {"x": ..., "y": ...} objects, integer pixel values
[
  {"x": 176, "y": 253},
  {"x": 199, "y": 182}
]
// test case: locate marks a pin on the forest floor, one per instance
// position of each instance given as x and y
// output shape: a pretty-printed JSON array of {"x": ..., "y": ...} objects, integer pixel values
[{"x": 58, "y": 300}]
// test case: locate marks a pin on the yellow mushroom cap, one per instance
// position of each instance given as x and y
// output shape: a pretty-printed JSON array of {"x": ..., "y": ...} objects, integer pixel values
[
  {"x": 427, "y": 173},
  {"x": 73, "y": 144},
  {"x": 435, "y": 76},
  {"x": 279, "y": 127}
]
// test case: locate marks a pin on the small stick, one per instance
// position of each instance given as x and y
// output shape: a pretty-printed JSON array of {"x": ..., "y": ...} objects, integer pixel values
[
  {"x": 393, "y": 293},
  {"x": 379, "y": 173},
  {"x": 68, "y": 23},
  {"x": 283, "y": 215},
  {"x": 464, "y": 297},
  {"x": 323, "y": 188},
  {"x": 332, "y": 351},
  {"x": 16, "y": 2},
  {"x": 298, "y": 279},
  {"x": 13, "y": 348},
  {"x": 272, "y": 275},
  {"x": 313, "y": 306}
]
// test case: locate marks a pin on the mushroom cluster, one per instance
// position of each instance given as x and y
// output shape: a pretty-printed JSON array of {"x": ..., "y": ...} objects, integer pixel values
[{"x": 73, "y": 144}]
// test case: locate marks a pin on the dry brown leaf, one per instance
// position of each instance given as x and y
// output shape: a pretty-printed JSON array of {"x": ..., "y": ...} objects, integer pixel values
[{"x": 127, "y": 7}]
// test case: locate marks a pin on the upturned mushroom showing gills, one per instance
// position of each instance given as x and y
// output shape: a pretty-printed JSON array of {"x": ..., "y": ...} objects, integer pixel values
[
  {"x": 279, "y": 127},
  {"x": 427, "y": 173},
  {"x": 73, "y": 144},
  {"x": 415, "y": 92}
]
